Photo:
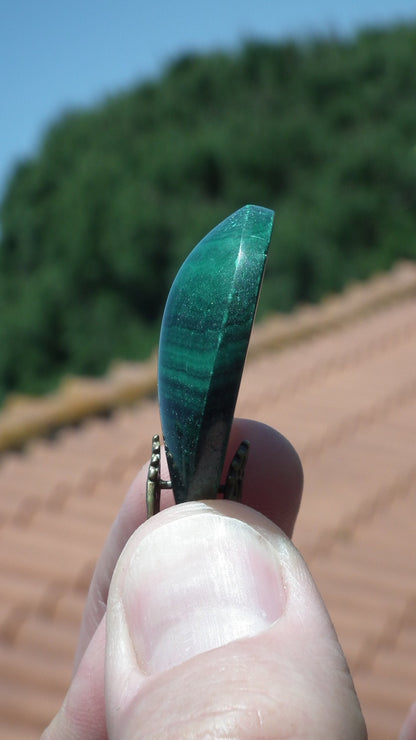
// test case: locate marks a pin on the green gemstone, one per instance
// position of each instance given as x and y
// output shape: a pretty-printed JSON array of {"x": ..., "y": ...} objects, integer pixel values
[{"x": 203, "y": 344}]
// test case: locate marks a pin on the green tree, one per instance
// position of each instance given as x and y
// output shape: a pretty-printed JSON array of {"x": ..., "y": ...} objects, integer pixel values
[{"x": 95, "y": 226}]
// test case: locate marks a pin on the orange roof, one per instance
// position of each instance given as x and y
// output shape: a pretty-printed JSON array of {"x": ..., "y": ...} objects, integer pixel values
[{"x": 339, "y": 381}]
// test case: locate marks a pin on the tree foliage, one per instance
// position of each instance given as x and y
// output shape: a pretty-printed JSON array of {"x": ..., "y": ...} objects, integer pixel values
[{"x": 95, "y": 226}]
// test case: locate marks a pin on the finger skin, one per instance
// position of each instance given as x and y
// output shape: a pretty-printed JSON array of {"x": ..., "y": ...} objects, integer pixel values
[
  {"x": 82, "y": 714},
  {"x": 273, "y": 483},
  {"x": 408, "y": 730},
  {"x": 287, "y": 681},
  {"x": 273, "y": 478}
]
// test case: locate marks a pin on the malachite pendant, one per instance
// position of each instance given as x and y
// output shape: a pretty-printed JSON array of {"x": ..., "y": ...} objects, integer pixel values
[{"x": 204, "y": 338}]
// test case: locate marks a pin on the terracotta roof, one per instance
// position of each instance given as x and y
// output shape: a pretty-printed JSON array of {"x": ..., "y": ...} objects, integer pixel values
[{"x": 339, "y": 381}]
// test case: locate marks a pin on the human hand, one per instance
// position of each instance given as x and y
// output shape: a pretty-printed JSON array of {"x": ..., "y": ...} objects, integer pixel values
[{"x": 212, "y": 626}]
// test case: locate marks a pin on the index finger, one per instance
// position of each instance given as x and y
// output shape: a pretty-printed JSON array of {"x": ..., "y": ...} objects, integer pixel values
[{"x": 273, "y": 482}]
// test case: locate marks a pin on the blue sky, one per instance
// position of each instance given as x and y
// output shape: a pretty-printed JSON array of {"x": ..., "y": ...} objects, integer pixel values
[{"x": 55, "y": 56}]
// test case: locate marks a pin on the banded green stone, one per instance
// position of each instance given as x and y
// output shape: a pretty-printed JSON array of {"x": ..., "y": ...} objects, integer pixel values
[{"x": 203, "y": 344}]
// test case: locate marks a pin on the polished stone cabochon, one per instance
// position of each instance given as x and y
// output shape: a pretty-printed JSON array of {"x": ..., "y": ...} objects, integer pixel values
[{"x": 203, "y": 344}]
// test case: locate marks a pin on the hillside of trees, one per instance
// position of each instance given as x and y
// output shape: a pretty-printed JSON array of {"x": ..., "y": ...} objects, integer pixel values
[{"x": 96, "y": 224}]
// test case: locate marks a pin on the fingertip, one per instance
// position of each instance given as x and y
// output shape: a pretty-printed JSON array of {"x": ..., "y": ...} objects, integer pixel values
[
  {"x": 273, "y": 484},
  {"x": 273, "y": 479},
  {"x": 221, "y": 622}
]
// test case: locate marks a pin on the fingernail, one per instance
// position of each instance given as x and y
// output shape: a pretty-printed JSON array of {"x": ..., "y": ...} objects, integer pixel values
[{"x": 196, "y": 583}]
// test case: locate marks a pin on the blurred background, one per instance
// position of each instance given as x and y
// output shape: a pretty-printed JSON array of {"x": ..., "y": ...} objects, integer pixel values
[{"x": 127, "y": 132}]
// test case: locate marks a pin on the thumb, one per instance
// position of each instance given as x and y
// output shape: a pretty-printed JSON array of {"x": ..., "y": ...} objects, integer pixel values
[{"x": 216, "y": 629}]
